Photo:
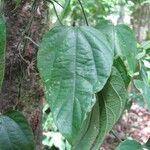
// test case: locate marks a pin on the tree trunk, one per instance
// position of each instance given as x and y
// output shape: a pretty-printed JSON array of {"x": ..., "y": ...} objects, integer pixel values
[
  {"x": 21, "y": 90},
  {"x": 141, "y": 21}
]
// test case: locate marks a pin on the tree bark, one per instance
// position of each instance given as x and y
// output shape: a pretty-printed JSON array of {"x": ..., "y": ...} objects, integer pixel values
[{"x": 21, "y": 88}]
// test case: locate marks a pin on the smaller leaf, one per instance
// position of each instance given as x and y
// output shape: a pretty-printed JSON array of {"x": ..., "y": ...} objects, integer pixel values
[
  {"x": 145, "y": 45},
  {"x": 15, "y": 132},
  {"x": 144, "y": 89},
  {"x": 129, "y": 145},
  {"x": 143, "y": 85},
  {"x": 108, "y": 30},
  {"x": 122, "y": 40}
]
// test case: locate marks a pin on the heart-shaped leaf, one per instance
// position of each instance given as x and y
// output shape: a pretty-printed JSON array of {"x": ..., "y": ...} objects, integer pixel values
[
  {"x": 74, "y": 63},
  {"x": 107, "y": 110},
  {"x": 2, "y": 48},
  {"x": 15, "y": 132},
  {"x": 122, "y": 39}
]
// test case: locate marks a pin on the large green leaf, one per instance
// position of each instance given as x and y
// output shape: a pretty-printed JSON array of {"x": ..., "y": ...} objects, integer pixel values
[
  {"x": 74, "y": 63},
  {"x": 129, "y": 145},
  {"x": 2, "y": 48},
  {"x": 15, "y": 132},
  {"x": 107, "y": 110},
  {"x": 122, "y": 39},
  {"x": 108, "y": 30}
]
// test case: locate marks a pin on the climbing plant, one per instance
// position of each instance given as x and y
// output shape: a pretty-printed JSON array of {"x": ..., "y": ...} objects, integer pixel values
[
  {"x": 86, "y": 70},
  {"x": 84, "y": 83}
]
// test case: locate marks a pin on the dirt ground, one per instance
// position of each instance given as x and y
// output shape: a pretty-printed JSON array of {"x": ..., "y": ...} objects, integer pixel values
[{"x": 135, "y": 124}]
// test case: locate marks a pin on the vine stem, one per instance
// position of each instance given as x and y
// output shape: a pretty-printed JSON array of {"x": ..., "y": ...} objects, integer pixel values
[
  {"x": 56, "y": 13},
  {"x": 58, "y": 3},
  {"x": 50, "y": 1},
  {"x": 83, "y": 13},
  {"x": 115, "y": 135},
  {"x": 27, "y": 37}
]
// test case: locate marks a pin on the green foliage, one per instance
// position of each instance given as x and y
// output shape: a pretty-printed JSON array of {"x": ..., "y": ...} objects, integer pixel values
[
  {"x": 142, "y": 80},
  {"x": 66, "y": 9},
  {"x": 79, "y": 62},
  {"x": 144, "y": 86},
  {"x": 15, "y": 132},
  {"x": 145, "y": 45},
  {"x": 2, "y": 48},
  {"x": 122, "y": 40},
  {"x": 94, "y": 9},
  {"x": 18, "y": 2},
  {"x": 107, "y": 110},
  {"x": 129, "y": 145}
]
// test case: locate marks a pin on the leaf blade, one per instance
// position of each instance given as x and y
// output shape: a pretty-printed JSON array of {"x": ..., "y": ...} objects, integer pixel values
[
  {"x": 80, "y": 63},
  {"x": 122, "y": 41},
  {"x": 107, "y": 110}
]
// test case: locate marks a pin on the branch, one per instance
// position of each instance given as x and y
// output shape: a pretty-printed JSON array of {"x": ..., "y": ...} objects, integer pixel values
[
  {"x": 115, "y": 135},
  {"x": 26, "y": 37}
]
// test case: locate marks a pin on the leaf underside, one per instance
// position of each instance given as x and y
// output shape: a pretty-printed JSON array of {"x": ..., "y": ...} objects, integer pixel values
[
  {"x": 74, "y": 63},
  {"x": 107, "y": 110}
]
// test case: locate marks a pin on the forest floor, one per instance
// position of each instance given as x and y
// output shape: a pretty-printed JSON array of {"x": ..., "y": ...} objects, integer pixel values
[{"x": 134, "y": 124}]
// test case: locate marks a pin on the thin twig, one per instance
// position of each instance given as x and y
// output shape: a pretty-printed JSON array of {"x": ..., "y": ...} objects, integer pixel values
[
  {"x": 56, "y": 13},
  {"x": 28, "y": 32},
  {"x": 58, "y": 3},
  {"x": 116, "y": 136},
  {"x": 83, "y": 13},
  {"x": 28, "y": 26},
  {"x": 26, "y": 61},
  {"x": 26, "y": 37}
]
